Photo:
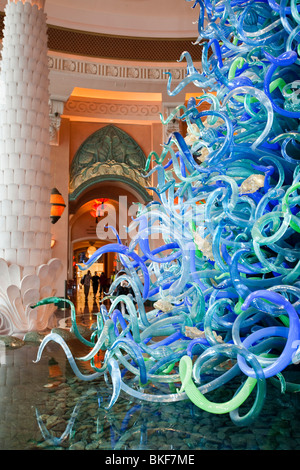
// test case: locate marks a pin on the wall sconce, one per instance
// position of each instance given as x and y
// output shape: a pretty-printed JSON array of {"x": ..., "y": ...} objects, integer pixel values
[
  {"x": 57, "y": 205},
  {"x": 90, "y": 251}
]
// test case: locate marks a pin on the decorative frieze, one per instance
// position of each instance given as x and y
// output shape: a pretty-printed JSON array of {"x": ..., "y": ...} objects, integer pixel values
[
  {"x": 119, "y": 71},
  {"x": 111, "y": 109},
  {"x": 109, "y": 151}
]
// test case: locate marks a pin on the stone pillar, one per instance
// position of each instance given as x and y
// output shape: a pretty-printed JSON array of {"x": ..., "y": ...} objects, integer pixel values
[{"x": 25, "y": 170}]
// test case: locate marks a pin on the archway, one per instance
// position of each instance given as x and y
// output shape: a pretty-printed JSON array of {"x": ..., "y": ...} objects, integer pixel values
[{"x": 107, "y": 167}]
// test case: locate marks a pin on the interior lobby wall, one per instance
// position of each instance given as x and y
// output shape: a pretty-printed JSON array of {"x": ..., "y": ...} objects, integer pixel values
[
  {"x": 72, "y": 133},
  {"x": 60, "y": 230}
]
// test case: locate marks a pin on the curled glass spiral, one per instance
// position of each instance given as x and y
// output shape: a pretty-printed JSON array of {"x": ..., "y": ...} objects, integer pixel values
[{"x": 224, "y": 283}]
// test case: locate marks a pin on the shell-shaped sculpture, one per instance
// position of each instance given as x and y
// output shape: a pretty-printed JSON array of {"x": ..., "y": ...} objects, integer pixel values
[{"x": 19, "y": 292}]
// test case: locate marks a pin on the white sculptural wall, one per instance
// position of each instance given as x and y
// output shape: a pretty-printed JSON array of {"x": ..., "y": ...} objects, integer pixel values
[
  {"x": 26, "y": 269},
  {"x": 24, "y": 139}
]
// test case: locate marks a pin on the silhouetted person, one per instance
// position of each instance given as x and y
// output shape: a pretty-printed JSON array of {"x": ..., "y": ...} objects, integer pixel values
[
  {"x": 103, "y": 283},
  {"x": 124, "y": 289},
  {"x": 86, "y": 284},
  {"x": 95, "y": 283}
]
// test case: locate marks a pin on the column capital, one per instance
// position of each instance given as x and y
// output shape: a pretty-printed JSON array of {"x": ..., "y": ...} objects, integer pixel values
[
  {"x": 174, "y": 123},
  {"x": 56, "y": 109}
]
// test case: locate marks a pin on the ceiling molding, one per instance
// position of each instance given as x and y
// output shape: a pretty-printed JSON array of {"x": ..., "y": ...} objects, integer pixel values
[
  {"x": 157, "y": 73},
  {"x": 126, "y": 48}
]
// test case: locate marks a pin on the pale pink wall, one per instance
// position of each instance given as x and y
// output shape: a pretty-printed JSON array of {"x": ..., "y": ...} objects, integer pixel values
[
  {"x": 150, "y": 18},
  {"x": 60, "y": 230}
]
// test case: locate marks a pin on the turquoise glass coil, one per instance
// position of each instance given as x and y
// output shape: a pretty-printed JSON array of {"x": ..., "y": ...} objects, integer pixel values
[{"x": 214, "y": 259}]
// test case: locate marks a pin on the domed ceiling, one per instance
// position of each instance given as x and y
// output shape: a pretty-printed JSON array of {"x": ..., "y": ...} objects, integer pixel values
[
  {"x": 142, "y": 18},
  {"x": 132, "y": 30}
]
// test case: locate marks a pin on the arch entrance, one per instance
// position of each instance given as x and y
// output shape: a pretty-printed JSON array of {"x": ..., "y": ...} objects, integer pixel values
[{"x": 106, "y": 183}]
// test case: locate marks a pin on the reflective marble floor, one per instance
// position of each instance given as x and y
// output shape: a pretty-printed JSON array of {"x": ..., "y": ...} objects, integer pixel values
[{"x": 44, "y": 406}]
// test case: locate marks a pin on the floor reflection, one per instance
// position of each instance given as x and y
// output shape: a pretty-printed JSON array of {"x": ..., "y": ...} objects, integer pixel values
[
  {"x": 86, "y": 309},
  {"x": 44, "y": 405}
]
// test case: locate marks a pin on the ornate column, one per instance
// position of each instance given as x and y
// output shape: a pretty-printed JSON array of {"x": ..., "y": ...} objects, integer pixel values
[{"x": 26, "y": 269}]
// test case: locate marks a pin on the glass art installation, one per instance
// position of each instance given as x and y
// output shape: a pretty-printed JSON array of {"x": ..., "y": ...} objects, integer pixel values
[{"x": 223, "y": 284}]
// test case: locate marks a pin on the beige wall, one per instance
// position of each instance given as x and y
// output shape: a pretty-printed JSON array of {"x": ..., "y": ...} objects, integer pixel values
[{"x": 60, "y": 230}]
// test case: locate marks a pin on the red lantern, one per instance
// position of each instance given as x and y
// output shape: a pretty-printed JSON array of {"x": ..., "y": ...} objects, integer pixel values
[{"x": 98, "y": 208}]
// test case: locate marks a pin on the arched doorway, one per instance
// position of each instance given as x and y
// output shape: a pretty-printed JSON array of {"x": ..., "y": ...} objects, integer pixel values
[
  {"x": 85, "y": 238},
  {"x": 106, "y": 183}
]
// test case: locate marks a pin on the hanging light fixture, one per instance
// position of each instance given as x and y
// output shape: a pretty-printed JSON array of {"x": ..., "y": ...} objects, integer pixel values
[
  {"x": 91, "y": 250},
  {"x": 98, "y": 208},
  {"x": 57, "y": 205}
]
